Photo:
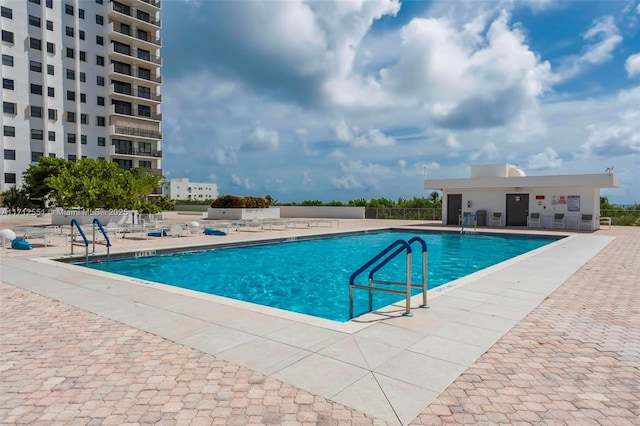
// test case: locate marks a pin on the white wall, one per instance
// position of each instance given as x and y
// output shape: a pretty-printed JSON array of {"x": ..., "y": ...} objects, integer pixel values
[
  {"x": 333, "y": 212},
  {"x": 237, "y": 214}
]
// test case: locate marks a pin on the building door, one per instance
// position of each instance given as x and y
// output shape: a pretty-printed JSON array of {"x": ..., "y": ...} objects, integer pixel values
[
  {"x": 517, "y": 209},
  {"x": 454, "y": 208}
]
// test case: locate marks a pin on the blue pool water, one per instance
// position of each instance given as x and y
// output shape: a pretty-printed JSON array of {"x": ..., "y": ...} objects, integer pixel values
[{"x": 312, "y": 276}]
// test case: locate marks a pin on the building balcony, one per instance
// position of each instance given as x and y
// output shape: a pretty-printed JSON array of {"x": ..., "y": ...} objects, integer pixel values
[
  {"x": 131, "y": 91},
  {"x": 131, "y": 35},
  {"x": 154, "y": 3},
  {"x": 135, "y": 112},
  {"x": 136, "y": 74},
  {"x": 134, "y": 131},
  {"x": 139, "y": 56},
  {"x": 135, "y": 15},
  {"x": 134, "y": 152}
]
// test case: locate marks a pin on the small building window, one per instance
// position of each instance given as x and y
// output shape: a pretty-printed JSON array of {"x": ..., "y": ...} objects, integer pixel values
[
  {"x": 7, "y": 36},
  {"x": 9, "y": 178},
  {"x": 68, "y": 9},
  {"x": 51, "y": 48},
  {"x": 49, "y": 25},
  {"x": 35, "y": 66},
  {"x": 100, "y": 40},
  {"x": 9, "y": 131},
  {"x": 51, "y": 92},
  {"x": 71, "y": 117},
  {"x": 81, "y": 34},
  {"x": 100, "y": 60},
  {"x": 7, "y": 60},
  {"x": 35, "y": 43},
  {"x": 34, "y": 21},
  {"x": 36, "y": 89},
  {"x": 84, "y": 118},
  {"x": 53, "y": 114},
  {"x": 9, "y": 108},
  {"x": 8, "y": 84},
  {"x": 50, "y": 70},
  {"x": 83, "y": 77},
  {"x": 35, "y": 156},
  {"x": 71, "y": 75},
  {"x": 70, "y": 53},
  {"x": 36, "y": 134},
  {"x": 71, "y": 95},
  {"x": 7, "y": 13},
  {"x": 35, "y": 111},
  {"x": 100, "y": 81},
  {"x": 71, "y": 138},
  {"x": 52, "y": 134},
  {"x": 83, "y": 56},
  {"x": 100, "y": 121},
  {"x": 99, "y": 20},
  {"x": 101, "y": 141},
  {"x": 83, "y": 98},
  {"x": 71, "y": 157},
  {"x": 9, "y": 154},
  {"x": 69, "y": 31},
  {"x": 83, "y": 139},
  {"x": 100, "y": 100}
]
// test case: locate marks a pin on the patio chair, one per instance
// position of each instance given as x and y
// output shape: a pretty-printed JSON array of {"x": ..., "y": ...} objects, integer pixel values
[
  {"x": 586, "y": 221},
  {"x": 558, "y": 219},
  {"x": 495, "y": 219},
  {"x": 533, "y": 221}
]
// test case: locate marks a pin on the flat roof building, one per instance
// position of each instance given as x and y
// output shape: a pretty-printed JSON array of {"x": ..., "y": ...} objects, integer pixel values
[
  {"x": 80, "y": 78},
  {"x": 504, "y": 195},
  {"x": 182, "y": 189}
]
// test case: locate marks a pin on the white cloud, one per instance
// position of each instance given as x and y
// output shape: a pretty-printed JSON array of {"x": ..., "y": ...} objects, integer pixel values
[
  {"x": 261, "y": 139},
  {"x": 548, "y": 159},
  {"x": 243, "y": 183},
  {"x": 346, "y": 183},
  {"x": 488, "y": 151},
  {"x": 605, "y": 37},
  {"x": 336, "y": 153},
  {"x": 358, "y": 167},
  {"x": 632, "y": 65},
  {"x": 369, "y": 138},
  {"x": 224, "y": 157},
  {"x": 342, "y": 132}
]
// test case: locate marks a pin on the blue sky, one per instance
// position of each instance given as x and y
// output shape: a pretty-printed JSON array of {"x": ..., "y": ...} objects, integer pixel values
[{"x": 346, "y": 99}]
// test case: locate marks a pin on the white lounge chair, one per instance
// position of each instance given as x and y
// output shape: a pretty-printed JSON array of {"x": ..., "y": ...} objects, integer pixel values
[
  {"x": 533, "y": 221},
  {"x": 558, "y": 221},
  {"x": 495, "y": 219}
]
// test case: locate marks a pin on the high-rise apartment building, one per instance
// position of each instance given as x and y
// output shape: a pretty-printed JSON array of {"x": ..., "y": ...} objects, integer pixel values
[{"x": 80, "y": 78}]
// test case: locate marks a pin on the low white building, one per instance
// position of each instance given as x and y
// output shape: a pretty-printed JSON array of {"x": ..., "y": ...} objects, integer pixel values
[
  {"x": 502, "y": 195},
  {"x": 182, "y": 189}
]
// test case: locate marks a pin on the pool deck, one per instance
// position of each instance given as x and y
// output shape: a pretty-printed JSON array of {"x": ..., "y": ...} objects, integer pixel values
[{"x": 550, "y": 337}]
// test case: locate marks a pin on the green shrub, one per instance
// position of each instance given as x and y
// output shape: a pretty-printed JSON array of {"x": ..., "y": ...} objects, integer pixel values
[{"x": 233, "y": 202}]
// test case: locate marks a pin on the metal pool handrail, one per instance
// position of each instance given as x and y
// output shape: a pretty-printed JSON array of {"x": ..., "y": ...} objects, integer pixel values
[
  {"x": 466, "y": 220},
  {"x": 84, "y": 237},
  {"x": 403, "y": 246},
  {"x": 95, "y": 222}
]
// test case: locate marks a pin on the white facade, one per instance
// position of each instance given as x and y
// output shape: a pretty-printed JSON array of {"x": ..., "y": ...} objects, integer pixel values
[
  {"x": 182, "y": 189},
  {"x": 505, "y": 189},
  {"x": 80, "y": 79}
]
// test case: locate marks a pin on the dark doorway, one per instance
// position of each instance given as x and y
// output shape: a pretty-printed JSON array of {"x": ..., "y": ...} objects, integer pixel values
[
  {"x": 517, "y": 209},
  {"x": 454, "y": 208}
]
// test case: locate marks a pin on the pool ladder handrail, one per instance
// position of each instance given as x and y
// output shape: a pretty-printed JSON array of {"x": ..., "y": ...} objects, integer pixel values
[
  {"x": 95, "y": 222},
  {"x": 84, "y": 237},
  {"x": 404, "y": 246},
  {"x": 466, "y": 221}
]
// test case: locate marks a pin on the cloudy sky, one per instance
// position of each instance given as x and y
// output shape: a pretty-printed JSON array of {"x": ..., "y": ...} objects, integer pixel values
[{"x": 343, "y": 99}]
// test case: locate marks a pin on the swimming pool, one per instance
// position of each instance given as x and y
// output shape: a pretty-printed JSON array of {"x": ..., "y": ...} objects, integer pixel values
[{"x": 311, "y": 276}]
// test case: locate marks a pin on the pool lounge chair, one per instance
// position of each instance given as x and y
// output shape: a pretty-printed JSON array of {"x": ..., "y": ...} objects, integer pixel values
[
  {"x": 558, "y": 221},
  {"x": 533, "y": 221},
  {"x": 586, "y": 221},
  {"x": 495, "y": 219}
]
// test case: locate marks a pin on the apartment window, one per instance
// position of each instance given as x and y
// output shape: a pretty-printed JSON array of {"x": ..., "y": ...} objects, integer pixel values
[
  {"x": 49, "y": 25},
  {"x": 70, "y": 53},
  {"x": 143, "y": 163},
  {"x": 35, "y": 156},
  {"x": 143, "y": 35},
  {"x": 7, "y": 13},
  {"x": 100, "y": 81},
  {"x": 100, "y": 60},
  {"x": 144, "y": 54},
  {"x": 52, "y": 155},
  {"x": 99, "y": 1},
  {"x": 35, "y": 66},
  {"x": 71, "y": 117},
  {"x": 7, "y": 83},
  {"x": 34, "y": 21},
  {"x": 51, "y": 47},
  {"x": 53, "y": 114},
  {"x": 51, "y": 92},
  {"x": 34, "y": 1},
  {"x": 100, "y": 158},
  {"x": 9, "y": 108},
  {"x": 9, "y": 154},
  {"x": 50, "y": 4},
  {"x": 71, "y": 95},
  {"x": 7, "y": 60},
  {"x": 35, "y": 43},
  {"x": 83, "y": 98},
  {"x": 9, "y": 178},
  {"x": 9, "y": 131},
  {"x": 50, "y": 70},
  {"x": 83, "y": 77},
  {"x": 71, "y": 138},
  {"x": 36, "y": 89},
  {"x": 100, "y": 40},
  {"x": 7, "y": 36},
  {"x": 68, "y": 9},
  {"x": 143, "y": 16},
  {"x": 35, "y": 111},
  {"x": 36, "y": 134},
  {"x": 71, "y": 157},
  {"x": 81, "y": 34},
  {"x": 101, "y": 141},
  {"x": 100, "y": 121},
  {"x": 69, "y": 31},
  {"x": 84, "y": 118},
  {"x": 144, "y": 92},
  {"x": 101, "y": 100},
  {"x": 83, "y": 139},
  {"x": 52, "y": 135},
  {"x": 99, "y": 20},
  {"x": 124, "y": 164},
  {"x": 83, "y": 56},
  {"x": 144, "y": 73},
  {"x": 81, "y": 13},
  {"x": 144, "y": 147},
  {"x": 144, "y": 111},
  {"x": 71, "y": 75}
]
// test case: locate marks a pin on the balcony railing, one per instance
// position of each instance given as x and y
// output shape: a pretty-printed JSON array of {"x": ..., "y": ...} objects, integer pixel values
[
  {"x": 155, "y": 3},
  {"x": 137, "y": 73},
  {"x": 132, "y": 151},
  {"x": 129, "y": 91},
  {"x": 135, "y": 112},
  {"x": 133, "y": 131},
  {"x": 136, "y": 53},
  {"x": 137, "y": 14},
  {"x": 118, "y": 28}
]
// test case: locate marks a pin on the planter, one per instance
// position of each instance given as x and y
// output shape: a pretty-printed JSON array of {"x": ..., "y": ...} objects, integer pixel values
[{"x": 238, "y": 214}]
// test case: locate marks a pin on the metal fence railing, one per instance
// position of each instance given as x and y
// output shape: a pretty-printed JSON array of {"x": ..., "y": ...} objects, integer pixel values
[
  {"x": 622, "y": 217},
  {"x": 403, "y": 214}
]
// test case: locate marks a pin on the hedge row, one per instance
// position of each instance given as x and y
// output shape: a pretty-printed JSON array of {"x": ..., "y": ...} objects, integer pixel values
[{"x": 233, "y": 202}]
